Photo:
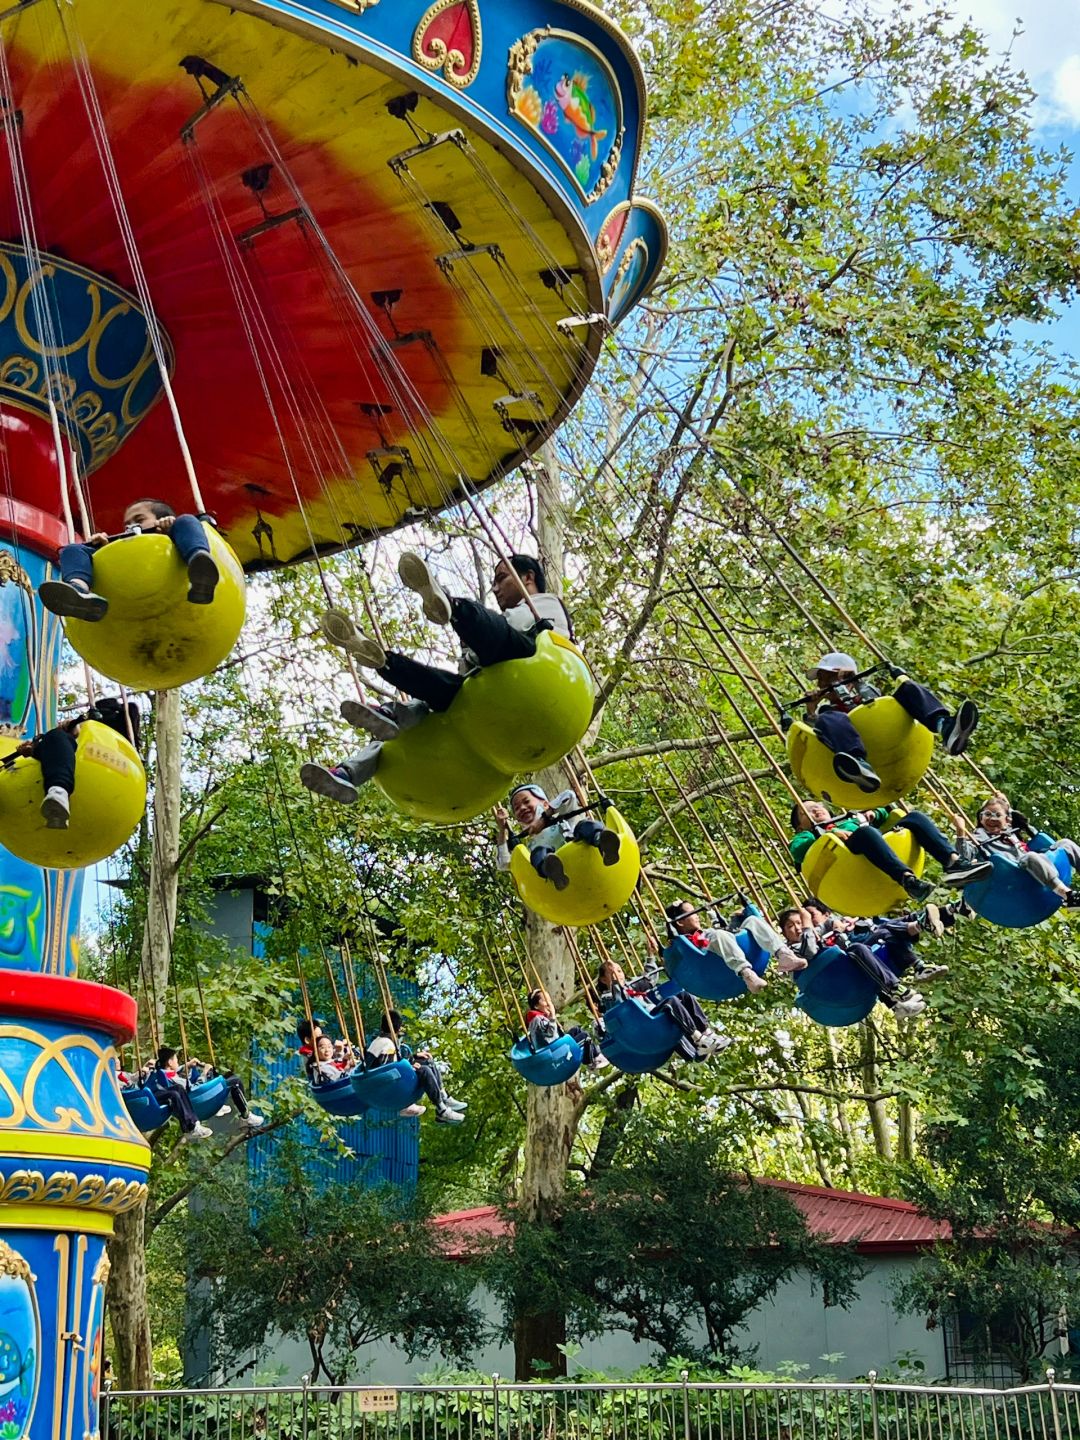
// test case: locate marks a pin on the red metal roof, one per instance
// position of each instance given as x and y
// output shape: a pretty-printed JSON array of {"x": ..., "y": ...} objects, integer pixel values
[{"x": 874, "y": 1223}]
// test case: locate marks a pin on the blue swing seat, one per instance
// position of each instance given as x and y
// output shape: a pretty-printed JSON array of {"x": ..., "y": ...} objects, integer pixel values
[
  {"x": 705, "y": 974},
  {"x": 145, "y": 1109},
  {"x": 387, "y": 1087},
  {"x": 338, "y": 1098},
  {"x": 637, "y": 1039},
  {"x": 550, "y": 1064},
  {"x": 1012, "y": 898},
  {"x": 833, "y": 991},
  {"x": 208, "y": 1098}
]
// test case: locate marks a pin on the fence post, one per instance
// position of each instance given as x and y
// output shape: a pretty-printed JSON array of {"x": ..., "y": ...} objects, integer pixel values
[
  {"x": 1051, "y": 1374},
  {"x": 684, "y": 1376},
  {"x": 305, "y": 1383},
  {"x": 495, "y": 1402},
  {"x": 871, "y": 1375}
]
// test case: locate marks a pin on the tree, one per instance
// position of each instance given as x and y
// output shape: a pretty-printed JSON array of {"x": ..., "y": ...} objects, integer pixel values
[
  {"x": 668, "y": 1244},
  {"x": 336, "y": 1266}
]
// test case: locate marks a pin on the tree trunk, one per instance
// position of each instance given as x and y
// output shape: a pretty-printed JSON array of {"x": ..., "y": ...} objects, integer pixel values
[
  {"x": 551, "y": 1124},
  {"x": 128, "y": 1312},
  {"x": 161, "y": 898},
  {"x": 879, "y": 1122}
]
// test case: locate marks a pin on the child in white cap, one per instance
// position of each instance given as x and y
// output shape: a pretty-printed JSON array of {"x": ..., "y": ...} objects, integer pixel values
[
  {"x": 544, "y": 830},
  {"x": 841, "y": 688}
]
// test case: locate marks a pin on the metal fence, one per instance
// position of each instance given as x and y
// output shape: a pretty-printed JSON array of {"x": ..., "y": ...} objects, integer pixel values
[{"x": 687, "y": 1411}]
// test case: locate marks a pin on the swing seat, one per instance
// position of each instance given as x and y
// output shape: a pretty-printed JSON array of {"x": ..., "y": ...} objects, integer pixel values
[
  {"x": 108, "y": 803},
  {"x": 387, "y": 1087},
  {"x": 208, "y": 1098},
  {"x": 551, "y": 1064},
  {"x": 338, "y": 1098},
  {"x": 518, "y": 715},
  {"x": 833, "y": 991},
  {"x": 705, "y": 974},
  {"x": 638, "y": 1040},
  {"x": 848, "y": 884},
  {"x": 898, "y": 748},
  {"x": 595, "y": 890},
  {"x": 145, "y": 1109},
  {"x": 1012, "y": 898},
  {"x": 151, "y": 638}
]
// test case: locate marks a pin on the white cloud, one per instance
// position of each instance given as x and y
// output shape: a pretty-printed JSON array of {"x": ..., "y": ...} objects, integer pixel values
[
  {"x": 1043, "y": 50},
  {"x": 1066, "y": 89}
]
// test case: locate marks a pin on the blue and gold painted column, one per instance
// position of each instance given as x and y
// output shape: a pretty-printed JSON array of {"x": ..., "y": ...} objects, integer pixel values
[{"x": 70, "y": 1162}]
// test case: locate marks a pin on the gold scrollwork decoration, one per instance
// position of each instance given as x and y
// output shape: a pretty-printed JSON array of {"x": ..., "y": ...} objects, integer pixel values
[
  {"x": 11, "y": 572},
  {"x": 88, "y": 1107},
  {"x": 433, "y": 52},
  {"x": 15, "y": 1266},
  {"x": 61, "y": 1187}
]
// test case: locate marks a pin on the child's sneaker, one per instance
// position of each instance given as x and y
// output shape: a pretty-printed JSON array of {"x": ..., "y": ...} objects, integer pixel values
[
  {"x": 854, "y": 771},
  {"x": 960, "y": 872},
  {"x": 926, "y": 972},
  {"x": 56, "y": 808},
  {"x": 957, "y": 730},
  {"x": 447, "y": 1116},
  {"x": 203, "y": 576},
  {"x": 251, "y": 1120},
  {"x": 916, "y": 888},
  {"x": 931, "y": 922},
  {"x": 201, "y": 1132},
  {"x": 72, "y": 600},
  {"x": 369, "y": 718},
  {"x": 411, "y": 1111},
  {"x": 906, "y": 1004},
  {"x": 600, "y": 1063},
  {"x": 339, "y": 628},
  {"x": 607, "y": 842},
  {"x": 553, "y": 870},
  {"x": 414, "y": 574},
  {"x": 787, "y": 962},
  {"x": 754, "y": 982},
  {"x": 450, "y": 1103},
  {"x": 710, "y": 1042},
  {"x": 331, "y": 782}
]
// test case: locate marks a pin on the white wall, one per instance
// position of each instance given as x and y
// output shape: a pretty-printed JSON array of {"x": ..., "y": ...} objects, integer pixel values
[{"x": 792, "y": 1326}]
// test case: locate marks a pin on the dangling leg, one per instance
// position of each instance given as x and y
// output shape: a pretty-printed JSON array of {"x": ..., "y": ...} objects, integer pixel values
[
  {"x": 55, "y": 753},
  {"x": 591, "y": 832},
  {"x": 850, "y": 764},
  {"x": 189, "y": 537},
  {"x": 243, "y": 1109},
  {"x": 902, "y": 1002},
  {"x": 546, "y": 862},
  {"x": 342, "y": 782},
  {"x": 925, "y": 707},
  {"x": 73, "y": 594}
]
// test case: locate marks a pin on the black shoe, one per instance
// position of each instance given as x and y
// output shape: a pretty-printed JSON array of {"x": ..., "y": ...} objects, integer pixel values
[
  {"x": 71, "y": 601},
  {"x": 854, "y": 771},
  {"x": 1072, "y": 900},
  {"x": 925, "y": 973},
  {"x": 552, "y": 869},
  {"x": 203, "y": 576},
  {"x": 607, "y": 842},
  {"x": 916, "y": 888},
  {"x": 966, "y": 872},
  {"x": 959, "y": 728}
]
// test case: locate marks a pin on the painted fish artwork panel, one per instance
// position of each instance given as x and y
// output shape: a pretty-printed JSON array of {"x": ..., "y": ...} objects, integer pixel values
[
  {"x": 563, "y": 90},
  {"x": 19, "y": 1345}
]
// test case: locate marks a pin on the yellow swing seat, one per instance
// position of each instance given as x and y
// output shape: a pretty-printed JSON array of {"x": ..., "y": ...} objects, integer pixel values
[
  {"x": 848, "y": 884},
  {"x": 595, "y": 890},
  {"x": 108, "y": 803},
  {"x": 151, "y": 638},
  {"x": 514, "y": 716},
  {"x": 898, "y": 747}
]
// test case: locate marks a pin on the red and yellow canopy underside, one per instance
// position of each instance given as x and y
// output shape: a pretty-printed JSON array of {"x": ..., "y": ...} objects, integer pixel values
[{"x": 296, "y": 469}]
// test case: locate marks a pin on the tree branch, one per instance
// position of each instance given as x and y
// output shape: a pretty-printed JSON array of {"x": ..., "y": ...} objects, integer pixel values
[
  {"x": 664, "y": 747},
  {"x": 725, "y": 782},
  {"x": 179, "y": 1196}
]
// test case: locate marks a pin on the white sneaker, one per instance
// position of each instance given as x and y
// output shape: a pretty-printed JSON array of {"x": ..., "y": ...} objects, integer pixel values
[
  {"x": 56, "y": 808},
  {"x": 201, "y": 1132},
  {"x": 339, "y": 628},
  {"x": 754, "y": 983},
  {"x": 709, "y": 1043},
  {"x": 911, "y": 1005},
  {"x": 252, "y": 1121},
  {"x": 787, "y": 962},
  {"x": 451, "y": 1104},
  {"x": 414, "y": 574},
  {"x": 225, "y": 1110},
  {"x": 412, "y": 1110},
  {"x": 449, "y": 1117}
]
